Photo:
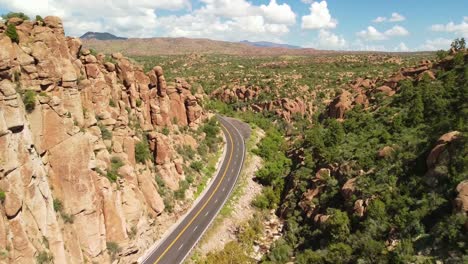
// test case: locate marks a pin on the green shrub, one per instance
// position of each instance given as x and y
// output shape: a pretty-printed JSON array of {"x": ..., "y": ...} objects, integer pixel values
[
  {"x": 113, "y": 248},
  {"x": 67, "y": 218},
  {"x": 58, "y": 206},
  {"x": 142, "y": 151},
  {"x": 116, "y": 164},
  {"x": 165, "y": 131},
  {"x": 139, "y": 102},
  {"x": 106, "y": 134},
  {"x": 197, "y": 166},
  {"x": 29, "y": 100},
  {"x": 11, "y": 33},
  {"x": 112, "y": 176},
  {"x": 39, "y": 18},
  {"x": 44, "y": 258},
  {"x": 187, "y": 152},
  {"x": 112, "y": 103},
  {"x": 15, "y": 14},
  {"x": 2, "y": 196}
]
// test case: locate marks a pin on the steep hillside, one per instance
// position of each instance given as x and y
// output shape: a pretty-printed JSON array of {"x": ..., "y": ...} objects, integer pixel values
[
  {"x": 179, "y": 46},
  {"x": 95, "y": 154}
]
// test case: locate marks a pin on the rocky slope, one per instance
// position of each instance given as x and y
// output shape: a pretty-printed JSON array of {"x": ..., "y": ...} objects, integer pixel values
[{"x": 74, "y": 128}]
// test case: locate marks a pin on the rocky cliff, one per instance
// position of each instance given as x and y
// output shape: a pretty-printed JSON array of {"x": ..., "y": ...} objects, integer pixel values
[{"x": 78, "y": 133}]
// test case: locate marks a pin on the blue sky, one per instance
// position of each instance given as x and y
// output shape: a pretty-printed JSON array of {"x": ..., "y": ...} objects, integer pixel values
[{"x": 393, "y": 25}]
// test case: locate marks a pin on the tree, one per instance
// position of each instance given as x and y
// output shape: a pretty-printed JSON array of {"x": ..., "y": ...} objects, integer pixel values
[
  {"x": 15, "y": 14},
  {"x": 458, "y": 44}
]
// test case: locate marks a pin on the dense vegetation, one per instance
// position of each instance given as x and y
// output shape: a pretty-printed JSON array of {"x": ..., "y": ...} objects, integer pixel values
[{"x": 407, "y": 205}]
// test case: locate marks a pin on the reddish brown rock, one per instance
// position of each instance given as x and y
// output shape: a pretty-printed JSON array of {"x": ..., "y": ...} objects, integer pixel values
[
  {"x": 349, "y": 188},
  {"x": 461, "y": 202},
  {"x": 92, "y": 70},
  {"x": 340, "y": 105},
  {"x": 386, "y": 90},
  {"x": 440, "y": 147}
]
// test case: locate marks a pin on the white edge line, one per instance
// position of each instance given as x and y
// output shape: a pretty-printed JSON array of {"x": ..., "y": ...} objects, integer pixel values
[
  {"x": 168, "y": 232},
  {"x": 225, "y": 200}
]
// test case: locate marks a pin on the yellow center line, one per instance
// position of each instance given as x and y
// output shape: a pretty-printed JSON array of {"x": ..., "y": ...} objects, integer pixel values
[{"x": 205, "y": 204}]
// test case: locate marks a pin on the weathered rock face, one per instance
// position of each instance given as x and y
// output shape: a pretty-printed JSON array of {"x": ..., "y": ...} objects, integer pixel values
[{"x": 82, "y": 121}]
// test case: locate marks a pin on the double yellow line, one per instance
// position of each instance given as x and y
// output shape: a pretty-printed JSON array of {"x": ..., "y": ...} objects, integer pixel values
[{"x": 205, "y": 204}]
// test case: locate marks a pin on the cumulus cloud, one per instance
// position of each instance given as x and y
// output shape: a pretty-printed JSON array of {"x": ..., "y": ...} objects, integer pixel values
[
  {"x": 219, "y": 19},
  {"x": 329, "y": 41},
  {"x": 458, "y": 29},
  {"x": 372, "y": 34},
  {"x": 281, "y": 14},
  {"x": 379, "y": 19},
  {"x": 319, "y": 17},
  {"x": 397, "y": 31},
  {"x": 435, "y": 44},
  {"x": 395, "y": 17},
  {"x": 402, "y": 47},
  {"x": 231, "y": 20}
]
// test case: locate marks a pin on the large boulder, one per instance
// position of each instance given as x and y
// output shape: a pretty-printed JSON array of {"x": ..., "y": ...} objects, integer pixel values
[{"x": 340, "y": 105}]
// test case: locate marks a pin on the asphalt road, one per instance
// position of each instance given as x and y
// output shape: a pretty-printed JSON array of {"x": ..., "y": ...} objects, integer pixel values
[{"x": 178, "y": 244}]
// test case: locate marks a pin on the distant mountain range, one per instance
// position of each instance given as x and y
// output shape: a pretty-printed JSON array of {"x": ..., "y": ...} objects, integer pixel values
[
  {"x": 101, "y": 36},
  {"x": 266, "y": 44},
  {"x": 181, "y": 46}
]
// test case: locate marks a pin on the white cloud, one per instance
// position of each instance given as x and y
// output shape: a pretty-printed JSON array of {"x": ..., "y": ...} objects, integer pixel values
[
  {"x": 402, "y": 47},
  {"x": 436, "y": 44},
  {"x": 328, "y": 41},
  {"x": 319, "y": 17},
  {"x": 379, "y": 19},
  {"x": 396, "y": 18},
  {"x": 372, "y": 34},
  {"x": 397, "y": 31},
  {"x": 307, "y": 1},
  {"x": 281, "y": 14},
  {"x": 219, "y": 19},
  {"x": 458, "y": 29}
]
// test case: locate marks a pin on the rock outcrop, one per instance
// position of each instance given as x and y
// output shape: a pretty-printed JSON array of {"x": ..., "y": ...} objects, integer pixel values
[
  {"x": 283, "y": 107},
  {"x": 70, "y": 121},
  {"x": 364, "y": 90}
]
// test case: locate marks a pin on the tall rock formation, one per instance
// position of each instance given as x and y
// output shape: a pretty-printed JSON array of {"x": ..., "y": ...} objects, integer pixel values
[{"x": 70, "y": 122}]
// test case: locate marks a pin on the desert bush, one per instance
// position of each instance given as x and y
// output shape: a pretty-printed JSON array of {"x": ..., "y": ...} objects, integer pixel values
[
  {"x": 15, "y": 14},
  {"x": 106, "y": 134},
  {"x": 142, "y": 151},
  {"x": 44, "y": 258},
  {"x": 113, "y": 248},
  {"x": 29, "y": 100},
  {"x": 12, "y": 33},
  {"x": 58, "y": 206}
]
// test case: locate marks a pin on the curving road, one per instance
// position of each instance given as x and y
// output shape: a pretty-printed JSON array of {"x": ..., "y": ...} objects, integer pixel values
[{"x": 178, "y": 244}]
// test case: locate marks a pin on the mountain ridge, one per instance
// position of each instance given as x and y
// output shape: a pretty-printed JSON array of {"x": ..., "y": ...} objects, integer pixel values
[{"x": 101, "y": 36}]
